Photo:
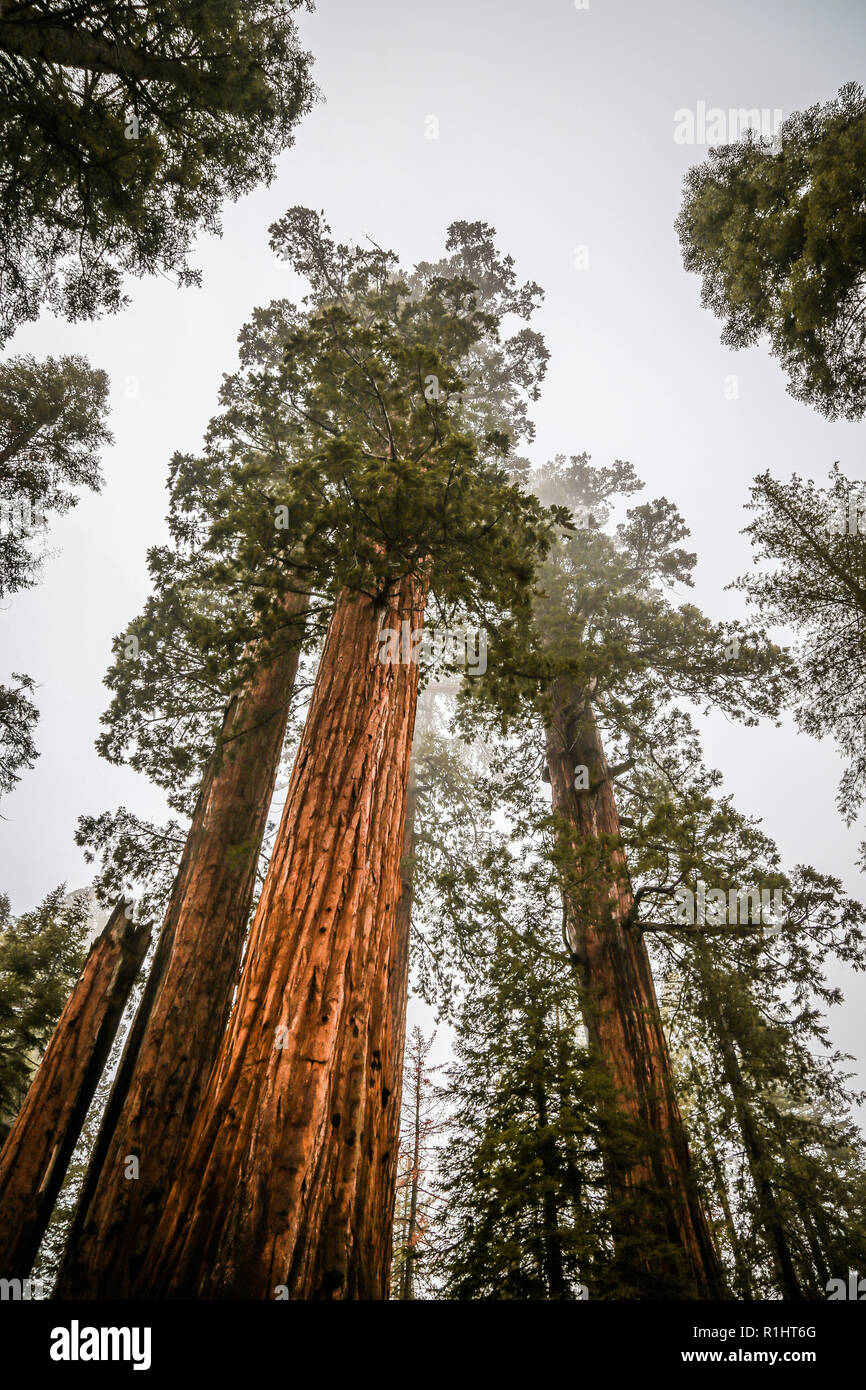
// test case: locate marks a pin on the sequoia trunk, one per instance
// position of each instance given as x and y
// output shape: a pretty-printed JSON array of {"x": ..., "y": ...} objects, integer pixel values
[
  {"x": 39, "y": 1146},
  {"x": 662, "y": 1223},
  {"x": 183, "y": 1015},
  {"x": 276, "y": 1193},
  {"x": 384, "y": 1193}
]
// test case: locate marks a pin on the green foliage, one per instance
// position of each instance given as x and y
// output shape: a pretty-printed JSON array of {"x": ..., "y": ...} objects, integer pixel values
[
  {"x": 603, "y": 619},
  {"x": 776, "y": 230},
  {"x": 388, "y": 466},
  {"x": 52, "y": 427},
  {"x": 124, "y": 128},
  {"x": 765, "y": 1101},
  {"x": 41, "y": 954},
  {"x": 520, "y": 1172},
  {"x": 810, "y": 554},
  {"x": 350, "y": 418},
  {"x": 132, "y": 852},
  {"x": 18, "y": 716}
]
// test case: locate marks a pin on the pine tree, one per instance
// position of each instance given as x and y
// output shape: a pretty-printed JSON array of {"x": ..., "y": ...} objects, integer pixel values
[
  {"x": 748, "y": 1000},
  {"x": 607, "y": 648},
  {"x": 524, "y": 1213}
]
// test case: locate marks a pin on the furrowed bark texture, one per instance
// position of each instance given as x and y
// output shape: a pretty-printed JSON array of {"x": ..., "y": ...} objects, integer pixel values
[
  {"x": 276, "y": 1194},
  {"x": 184, "y": 1012},
  {"x": 671, "y": 1244},
  {"x": 39, "y": 1146},
  {"x": 385, "y": 1172}
]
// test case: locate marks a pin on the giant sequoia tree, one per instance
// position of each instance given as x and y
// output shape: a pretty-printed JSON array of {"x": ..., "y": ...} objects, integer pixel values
[
  {"x": 203, "y": 682},
  {"x": 124, "y": 128},
  {"x": 776, "y": 1154},
  {"x": 253, "y": 529},
  {"x": 421, "y": 510},
  {"x": 34, "y": 1157},
  {"x": 607, "y": 648}
]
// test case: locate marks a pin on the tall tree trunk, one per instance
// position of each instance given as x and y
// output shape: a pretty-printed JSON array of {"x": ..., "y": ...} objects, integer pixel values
[
  {"x": 772, "y": 1218},
  {"x": 39, "y": 1146},
  {"x": 183, "y": 1015},
  {"x": 408, "y": 1290},
  {"x": 664, "y": 1222},
  {"x": 553, "y": 1268},
  {"x": 384, "y": 1198},
  {"x": 401, "y": 1237},
  {"x": 272, "y": 1197},
  {"x": 744, "y": 1278}
]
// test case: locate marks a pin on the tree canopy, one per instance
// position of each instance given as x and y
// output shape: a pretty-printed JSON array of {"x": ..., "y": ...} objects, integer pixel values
[
  {"x": 775, "y": 228},
  {"x": 124, "y": 128}
]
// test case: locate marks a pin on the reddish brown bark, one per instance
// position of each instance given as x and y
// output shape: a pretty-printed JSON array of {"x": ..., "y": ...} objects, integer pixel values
[
  {"x": 39, "y": 1146},
  {"x": 669, "y": 1243},
  {"x": 274, "y": 1195},
  {"x": 383, "y": 1133},
  {"x": 184, "y": 1012}
]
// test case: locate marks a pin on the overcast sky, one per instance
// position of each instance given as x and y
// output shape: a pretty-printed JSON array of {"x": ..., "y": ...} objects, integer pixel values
[{"x": 556, "y": 125}]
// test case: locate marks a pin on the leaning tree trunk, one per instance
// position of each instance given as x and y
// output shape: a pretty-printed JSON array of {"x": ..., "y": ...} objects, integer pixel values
[
  {"x": 183, "y": 1014},
  {"x": 661, "y": 1219},
  {"x": 273, "y": 1196},
  {"x": 39, "y": 1146}
]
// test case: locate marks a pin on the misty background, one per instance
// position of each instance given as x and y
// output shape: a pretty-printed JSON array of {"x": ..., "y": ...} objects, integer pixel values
[{"x": 556, "y": 125}]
